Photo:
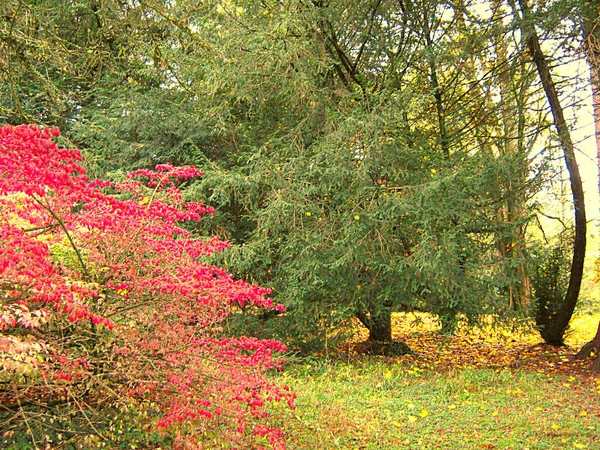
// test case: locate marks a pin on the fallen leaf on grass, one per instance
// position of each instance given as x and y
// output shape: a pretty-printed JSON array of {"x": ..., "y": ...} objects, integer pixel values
[{"x": 476, "y": 348}]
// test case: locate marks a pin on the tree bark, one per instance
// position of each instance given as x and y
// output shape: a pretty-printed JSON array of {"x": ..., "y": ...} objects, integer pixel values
[
  {"x": 437, "y": 90},
  {"x": 379, "y": 325},
  {"x": 381, "y": 329},
  {"x": 591, "y": 37},
  {"x": 591, "y": 42},
  {"x": 592, "y": 348},
  {"x": 512, "y": 246},
  {"x": 380, "y": 334},
  {"x": 553, "y": 327}
]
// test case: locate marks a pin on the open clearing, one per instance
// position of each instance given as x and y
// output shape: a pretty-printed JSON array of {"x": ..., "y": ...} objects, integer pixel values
[{"x": 471, "y": 391}]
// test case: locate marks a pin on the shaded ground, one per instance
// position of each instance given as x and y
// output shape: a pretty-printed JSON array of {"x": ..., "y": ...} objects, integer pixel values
[{"x": 480, "y": 348}]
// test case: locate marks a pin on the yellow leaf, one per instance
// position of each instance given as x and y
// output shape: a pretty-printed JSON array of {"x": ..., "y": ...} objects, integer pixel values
[
  {"x": 583, "y": 413},
  {"x": 397, "y": 424},
  {"x": 554, "y": 426},
  {"x": 576, "y": 445},
  {"x": 424, "y": 413},
  {"x": 412, "y": 419}
]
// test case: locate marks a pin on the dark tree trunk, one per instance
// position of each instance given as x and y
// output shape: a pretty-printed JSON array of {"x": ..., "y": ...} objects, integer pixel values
[
  {"x": 379, "y": 324},
  {"x": 380, "y": 341},
  {"x": 381, "y": 328},
  {"x": 553, "y": 326},
  {"x": 437, "y": 90},
  {"x": 592, "y": 348}
]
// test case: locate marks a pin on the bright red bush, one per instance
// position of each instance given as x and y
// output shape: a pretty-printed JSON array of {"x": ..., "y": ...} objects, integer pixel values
[{"x": 79, "y": 258}]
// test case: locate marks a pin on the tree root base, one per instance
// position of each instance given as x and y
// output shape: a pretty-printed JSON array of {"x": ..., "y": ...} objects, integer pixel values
[
  {"x": 591, "y": 349},
  {"x": 394, "y": 348}
]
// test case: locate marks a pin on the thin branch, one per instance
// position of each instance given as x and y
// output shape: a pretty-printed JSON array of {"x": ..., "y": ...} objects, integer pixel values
[{"x": 61, "y": 223}]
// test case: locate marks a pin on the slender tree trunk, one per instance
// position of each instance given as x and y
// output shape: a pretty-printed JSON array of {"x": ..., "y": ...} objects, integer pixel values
[
  {"x": 552, "y": 327},
  {"x": 591, "y": 35},
  {"x": 512, "y": 246},
  {"x": 437, "y": 90}
]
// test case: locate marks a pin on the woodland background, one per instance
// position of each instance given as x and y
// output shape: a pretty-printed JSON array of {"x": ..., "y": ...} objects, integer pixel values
[{"x": 385, "y": 168}]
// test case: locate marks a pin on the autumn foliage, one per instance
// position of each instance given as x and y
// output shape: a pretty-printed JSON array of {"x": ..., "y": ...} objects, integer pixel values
[{"x": 109, "y": 304}]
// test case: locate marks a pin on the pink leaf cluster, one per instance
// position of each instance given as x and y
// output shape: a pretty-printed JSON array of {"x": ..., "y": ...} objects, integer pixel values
[{"x": 115, "y": 256}]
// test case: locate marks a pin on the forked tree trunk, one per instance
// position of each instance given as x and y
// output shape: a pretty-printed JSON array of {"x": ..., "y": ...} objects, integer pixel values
[
  {"x": 553, "y": 327},
  {"x": 379, "y": 324}
]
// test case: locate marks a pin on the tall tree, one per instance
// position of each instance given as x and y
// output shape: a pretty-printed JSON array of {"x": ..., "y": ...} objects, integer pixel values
[
  {"x": 591, "y": 36},
  {"x": 514, "y": 82},
  {"x": 334, "y": 180},
  {"x": 369, "y": 166},
  {"x": 554, "y": 319}
]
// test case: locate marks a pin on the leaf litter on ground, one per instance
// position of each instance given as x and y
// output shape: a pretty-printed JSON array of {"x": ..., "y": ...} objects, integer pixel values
[
  {"x": 474, "y": 390},
  {"x": 483, "y": 347}
]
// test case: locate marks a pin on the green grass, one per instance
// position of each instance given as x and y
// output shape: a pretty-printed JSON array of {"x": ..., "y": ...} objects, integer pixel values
[
  {"x": 384, "y": 405},
  {"x": 481, "y": 389}
]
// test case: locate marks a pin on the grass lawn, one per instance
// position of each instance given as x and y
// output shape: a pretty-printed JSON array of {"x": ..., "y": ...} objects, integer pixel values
[{"x": 470, "y": 391}]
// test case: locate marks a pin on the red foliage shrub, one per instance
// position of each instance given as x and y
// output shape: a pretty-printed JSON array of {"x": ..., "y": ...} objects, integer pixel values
[{"x": 105, "y": 296}]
